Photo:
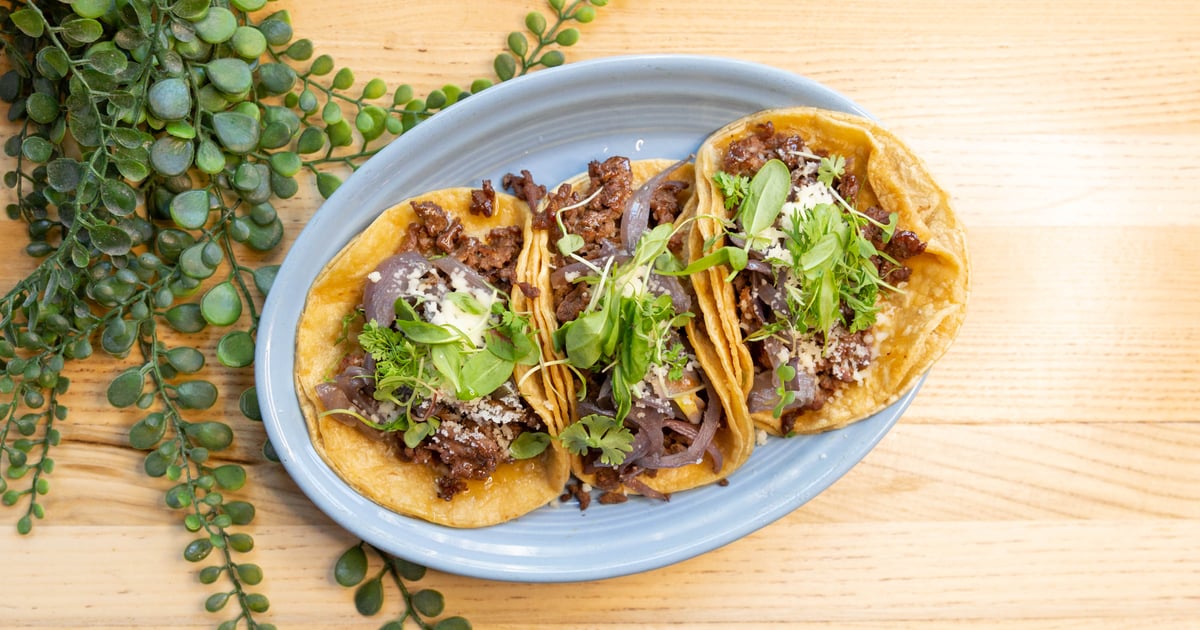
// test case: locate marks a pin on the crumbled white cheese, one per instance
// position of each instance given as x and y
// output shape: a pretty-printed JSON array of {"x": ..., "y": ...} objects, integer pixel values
[
  {"x": 374, "y": 276},
  {"x": 760, "y": 437}
]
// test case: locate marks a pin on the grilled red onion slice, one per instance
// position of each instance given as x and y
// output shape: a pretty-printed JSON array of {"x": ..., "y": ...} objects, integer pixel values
[
  {"x": 636, "y": 216},
  {"x": 690, "y": 431},
  {"x": 379, "y": 297},
  {"x": 694, "y": 451},
  {"x": 332, "y": 397},
  {"x": 670, "y": 285},
  {"x": 451, "y": 265}
]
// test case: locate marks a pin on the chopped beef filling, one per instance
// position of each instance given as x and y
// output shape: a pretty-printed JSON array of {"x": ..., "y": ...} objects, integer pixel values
[{"x": 438, "y": 233}]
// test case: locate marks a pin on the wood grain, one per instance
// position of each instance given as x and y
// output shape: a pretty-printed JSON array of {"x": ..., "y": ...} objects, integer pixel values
[{"x": 1048, "y": 474}]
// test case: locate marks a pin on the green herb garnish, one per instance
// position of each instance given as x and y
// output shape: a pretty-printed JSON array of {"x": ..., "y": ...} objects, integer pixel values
[{"x": 600, "y": 432}]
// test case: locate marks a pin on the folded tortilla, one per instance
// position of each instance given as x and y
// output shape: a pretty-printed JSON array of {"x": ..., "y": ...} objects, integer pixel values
[
  {"x": 735, "y": 436},
  {"x": 368, "y": 464},
  {"x": 914, "y": 327}
]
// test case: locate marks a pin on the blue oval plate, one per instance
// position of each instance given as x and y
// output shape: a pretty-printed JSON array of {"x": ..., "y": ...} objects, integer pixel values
[{"x": 553, "y": 123}]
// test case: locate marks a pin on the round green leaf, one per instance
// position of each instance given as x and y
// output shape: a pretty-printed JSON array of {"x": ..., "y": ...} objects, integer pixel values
[
  {"x": 236, "y": 349},
  {"x": 213, "y": 436},
  {"x": 53, "y": 63},
  {"x": 264, "y": 277},
  {"x": 331, "y": 113},
  {"x": 429, "y": 602},
  {"x": 230, "y": 75},
  {"x": 192, "y": 263},
  {"x": 237, "y": 132},
  {"x": 351, "y": 566},
  {"x": 265, "y": 237},
  {"x": 241, "y": 512},
  {"x": 186, "y": 360},
  {"x": 82, "y": 30},
  {"x": 327, "y": 183},
  {"x": 125, "y": 389},
  {"x": 567, "y": 37},
  {"x": 374, "y": 88},
  {"x": 91, "y": 8},
  {"x": 552, "y": 59},
  {"x": 109, "y": 61},
  {"x": 285, "y": 163},
  {"x": 277, "y": 31},
  {"x": 64, "y": 174},
  {"x": 321, "y": 65},
  {"x": 29, "y": 21},
  {"x": 196, "y": 394},
  {"x": 242, "y": 543},
  {"x": 518, "y": 43},
  {"x": 221, "y": 305},
  {"x": 249, "y": 42},
  {"x": 170, "y": 99},
  {"x": 453, "y": 623},
  {"x": 189, "y": 209},
  {"x": 276, "y": 78},
  {"x": 274, "y": 136},
  {"x": 209, "y": 157},
  {"x": 300, "y": 50},
  {"x": 250, "y": 573},
  {"x": 248, "y": 404},
  {"x": 110, "y": 239},
  {"x": 171, "y": 156},
  {"x": 36, "y": 149},
  {"x": 340, "y": 134},
  {"x": 343, "y": 79},
  {"x": 217, "y": 26},
  {"x": 216, "y": 602},
  {"x": 311, "y": 140},
  {"x": 247, "y": 177},
  {"x": 505, "y": 66},
  {"x": 186, "y": 318},
  {"x": 230, "y": 476},
  {"x": 118, "y": 197},
  {"x": 368, "y": 598},
  {"x": 249, "y": 5}
]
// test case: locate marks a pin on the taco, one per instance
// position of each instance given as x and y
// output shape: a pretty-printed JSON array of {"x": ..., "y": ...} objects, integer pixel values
[
  {"x": 630, "y": 360},
  {"x": 848, "y": 272},
  {"x": 410, "y": 357}
]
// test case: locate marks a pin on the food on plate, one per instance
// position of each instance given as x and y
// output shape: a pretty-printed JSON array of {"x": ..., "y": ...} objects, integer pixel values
[
  {"x": 630, "y": 360},
  {"x": 415, "y": 363},
  {"x": 845, "y": 270}
]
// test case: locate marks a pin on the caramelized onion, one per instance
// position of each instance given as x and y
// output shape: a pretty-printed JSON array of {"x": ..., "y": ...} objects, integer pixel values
[
  {"x": 636, "y": 216},
  {"x": 379, "y": 297}
]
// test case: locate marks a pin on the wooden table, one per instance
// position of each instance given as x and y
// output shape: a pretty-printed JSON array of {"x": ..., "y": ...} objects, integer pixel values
[{"x": 1048, "y": 474}]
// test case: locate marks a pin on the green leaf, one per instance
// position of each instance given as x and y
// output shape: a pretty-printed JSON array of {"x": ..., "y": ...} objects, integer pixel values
[
  {"x": 505, "y": 66},
  {"x": 482, "y": 373},
  {"x": 764, "y": 200},
  {"x": 108, "y": 61},
  {"x": 241, "y": 512},
  {"x": 368, "y": 598},
  {"x": 196, "y": 394},
  {"x": 53, "y": 63},
  {"x": 118, "y": 197},
  {"x": 285, "y": 163},
  {"x": 249, "y": 42},
  {"x": 221, "y": 305},
  {"x": 230, "y": 75},
  {"x": 351, "y": 566},
  {"x": 374, "y": 88},
  {"x": 327, "y": 183},
  {"x": 29, "y": 21},
  {"x": 190, "y": 10},
  {"x": 552, "y": 59},
  {"x": 146, "y": 433},
  {"x": 170, "y": 99},
  {"x": 186, "y": 318},
  {"x": 37, "y": 149},
  {"x": 343, "y": 79},
  {"x": 321, "y": 65},
  {"x": 429, "y": 602},
  {"x": 82, "y": 30},
  {"x": 217, "y": 26},
  {"x": 236, "y": 349},
  {"x": 237, "y": 132},
  {"x": 109, "y": 239},
  {"x": 529, "y": 444},
  {"x": 311, "y": 140},
  {"x": 248, "y": 404},
  {"x": 276, "y": 78},
  {"x": 186, "y": 360},
  {"x": 518, "y": 43},
  {"x": 230, "y": 476},
  {"x": 189, "y": 209},
  {"x": 264, "y": 277},
  {"x": 91, "y": 8},
  {"x": 535, "y": 22},
  {"x": 209, "y": 157},
  {"x": 171, "y": 156},
  {"x": 64, "y": 174},
  {"x": 453, "y": 623},
  {"x": 214, "y": 436},
  {"x": 125, "y": 389}
]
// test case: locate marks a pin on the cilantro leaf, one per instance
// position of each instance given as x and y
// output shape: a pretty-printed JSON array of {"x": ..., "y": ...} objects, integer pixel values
[
  {"x": 831, "y": 168},
  {"x": 599, "y": 432},
  {"x": 732, "y": 187}
]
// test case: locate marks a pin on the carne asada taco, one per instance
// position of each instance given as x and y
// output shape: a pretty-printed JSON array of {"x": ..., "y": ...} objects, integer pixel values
[
  {"x": 643, "y": 415},
  {"x": 410, "y": 354},
  {"x": 852, "y": 276}
]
